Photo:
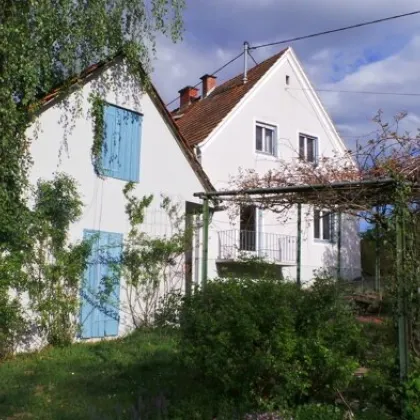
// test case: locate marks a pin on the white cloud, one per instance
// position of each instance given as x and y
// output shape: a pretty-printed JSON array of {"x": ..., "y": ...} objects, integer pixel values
[
  {"x": 215, "y": 34},
  {"x": 398, "y": 73}
]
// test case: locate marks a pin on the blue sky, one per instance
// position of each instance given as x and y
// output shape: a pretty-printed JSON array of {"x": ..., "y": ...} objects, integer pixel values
[{"x": 383, "y": 57}]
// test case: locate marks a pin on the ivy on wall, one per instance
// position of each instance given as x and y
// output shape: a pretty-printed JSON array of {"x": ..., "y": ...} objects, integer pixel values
[
  {"x": 43, "y": 45},
  {"x": 97, "y": 112}
]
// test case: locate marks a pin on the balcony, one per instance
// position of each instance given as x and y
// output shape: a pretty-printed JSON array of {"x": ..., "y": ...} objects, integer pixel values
[{"x": 272, "y": 247}]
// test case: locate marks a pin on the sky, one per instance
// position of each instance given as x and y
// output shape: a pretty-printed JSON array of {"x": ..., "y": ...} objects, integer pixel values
[{"x": 381, "y": 58}]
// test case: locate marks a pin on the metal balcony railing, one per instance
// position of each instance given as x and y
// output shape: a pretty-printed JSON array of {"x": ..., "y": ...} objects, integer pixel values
[{"x": 272, "y": 247}]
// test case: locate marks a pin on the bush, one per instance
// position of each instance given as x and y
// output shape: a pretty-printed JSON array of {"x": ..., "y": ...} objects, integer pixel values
[
  {"x": 318, "y": 412},
  {"x": 12, "y": 324},
  {"x": 167, "y": 313},
  {"x": 267, "y": 340}
]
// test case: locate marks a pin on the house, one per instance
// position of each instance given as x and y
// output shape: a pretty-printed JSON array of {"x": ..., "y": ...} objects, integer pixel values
[
  {"x": 150, "y": 152},
  {"x": 252, "y": 121}
]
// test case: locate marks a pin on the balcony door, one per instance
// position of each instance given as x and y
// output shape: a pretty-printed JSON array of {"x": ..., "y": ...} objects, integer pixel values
[{"x": 248, "y": 228}]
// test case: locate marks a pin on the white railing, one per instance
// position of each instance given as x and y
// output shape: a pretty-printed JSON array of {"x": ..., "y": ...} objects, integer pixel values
[{"x": 272, "y": 247}]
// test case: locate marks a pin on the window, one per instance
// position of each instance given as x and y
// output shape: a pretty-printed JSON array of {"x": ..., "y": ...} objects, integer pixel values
[
  {"x": 308, "y": 148},
  {"x": 121, "y": 146},
  {"x": 324, "y": 225},
  {"x": 287, "y": 79},
  {"x": 265, "y": 139},
  {"x": 248, "y": 228}
]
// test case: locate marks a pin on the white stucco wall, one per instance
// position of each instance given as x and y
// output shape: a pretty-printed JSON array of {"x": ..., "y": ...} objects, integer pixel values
[
  {"x": 291, "y": 110},
  {"x": 163, "y": 166}
]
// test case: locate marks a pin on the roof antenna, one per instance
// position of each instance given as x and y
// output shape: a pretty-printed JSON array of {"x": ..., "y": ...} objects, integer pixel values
[{"x": 246, "y": 48}]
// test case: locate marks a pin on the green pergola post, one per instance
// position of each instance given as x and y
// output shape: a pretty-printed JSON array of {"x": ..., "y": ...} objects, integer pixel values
[
  {"x": 299, "y": 245},
  {"x": 339, "y": 224},
  {"x": 377, "y": 256},
  {"x": 402, "y": 298},
  {"x": 205, "y": 250}
]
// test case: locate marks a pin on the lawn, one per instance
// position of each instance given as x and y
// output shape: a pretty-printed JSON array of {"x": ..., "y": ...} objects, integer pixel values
[{"x": 105, "y": 380}]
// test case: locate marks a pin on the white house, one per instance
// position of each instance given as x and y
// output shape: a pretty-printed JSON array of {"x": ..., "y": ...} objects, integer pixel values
[
  {"x": 251, "y": 121},
  {"x": 141, "y": 144}
]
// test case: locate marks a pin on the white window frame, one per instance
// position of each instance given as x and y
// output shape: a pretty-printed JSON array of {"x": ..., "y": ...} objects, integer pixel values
[
  {"x": 266, "y": 126},
  {"x": 322, "y": 220},
  {"x": 305, "y": 147}
]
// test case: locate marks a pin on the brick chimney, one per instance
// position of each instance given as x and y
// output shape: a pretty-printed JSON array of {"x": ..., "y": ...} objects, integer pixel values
[
  {"x": 209, "y": 83},
  {"x": 186, "y": 95}
]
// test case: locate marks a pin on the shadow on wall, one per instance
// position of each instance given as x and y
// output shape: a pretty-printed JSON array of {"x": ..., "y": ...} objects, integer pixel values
[{"x": 350, "y": 251}]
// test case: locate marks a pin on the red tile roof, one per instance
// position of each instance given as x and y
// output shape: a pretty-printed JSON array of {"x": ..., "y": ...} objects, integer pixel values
[{"x": 201, "y": 117}]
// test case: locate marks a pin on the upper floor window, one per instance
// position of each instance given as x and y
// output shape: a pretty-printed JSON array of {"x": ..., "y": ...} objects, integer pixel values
[
  {"x": 324, "y": 225},
  {"x": 308, "y": 148},
  {"x": 265, "y": 139},
  {"x": 121, "y": 145}
]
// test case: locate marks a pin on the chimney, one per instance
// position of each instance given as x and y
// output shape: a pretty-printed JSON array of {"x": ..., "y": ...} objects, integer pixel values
[
  {"x": 209, "y": 83},
  {"x": 186, "y": 95}
]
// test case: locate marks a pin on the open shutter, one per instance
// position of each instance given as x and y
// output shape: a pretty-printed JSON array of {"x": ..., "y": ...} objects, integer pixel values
[
  {"x": 90, "y": 282},
  {"x": 125, "y": 155},
  {"x": 131, "y": 134},
  {"x": 112, "y": 242},
  {"x": 100, "y": 319},
  {"x": 121, "y": 146},
  {"x": 111, "y": 141}
]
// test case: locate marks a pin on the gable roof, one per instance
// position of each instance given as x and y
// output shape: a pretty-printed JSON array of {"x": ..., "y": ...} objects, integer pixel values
[
  {"x": 95, "y": 70},
  {"x": 200, "y": 118}
]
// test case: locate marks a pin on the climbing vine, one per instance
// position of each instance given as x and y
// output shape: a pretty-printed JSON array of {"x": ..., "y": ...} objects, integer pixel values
[
  {"x": 97, "y": 112},
  {"x": 44, "y": 48},
  {"x": 151, "y": 263},
  {"x": 54, "y": 267}
]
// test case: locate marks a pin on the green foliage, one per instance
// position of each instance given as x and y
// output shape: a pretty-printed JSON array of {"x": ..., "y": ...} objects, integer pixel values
[
  {"x": 412, "y": 393},
  {"x": 43, "y": 45},
  {"x": 149, "y": 262},
  {"x": 380, "y": 387},
  {"x": 318, "y": 412},
  {"x": 268, "y": 340},
  {"x": 168, "y": 311},
  {"x": 12, "y": 324},
  {"x": 54, "y": 268},
  {"x": 98, "y": 133}
]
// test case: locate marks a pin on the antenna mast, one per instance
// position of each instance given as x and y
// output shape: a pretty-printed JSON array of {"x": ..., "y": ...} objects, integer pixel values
[{"x": 246, "y": 48}]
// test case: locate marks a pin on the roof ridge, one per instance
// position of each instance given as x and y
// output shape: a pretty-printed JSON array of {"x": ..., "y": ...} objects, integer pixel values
[
  {"x": 276, "y": 56},
  {"x": 200, "y": 118}
]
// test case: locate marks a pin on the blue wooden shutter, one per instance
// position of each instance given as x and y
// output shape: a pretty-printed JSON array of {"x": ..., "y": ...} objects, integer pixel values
[
  {"x": 99, "y": 319},
  {"x": 112, "y": 246},
  {"x": 110, "y": 147},
  {"x": 89, "y": 286},
  {"x": 121, "y": 148},
  {"x": 136, "y": 129}
]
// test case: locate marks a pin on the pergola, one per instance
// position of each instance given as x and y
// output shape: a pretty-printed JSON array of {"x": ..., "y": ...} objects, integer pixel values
[{"x": 341, "y": 197}]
